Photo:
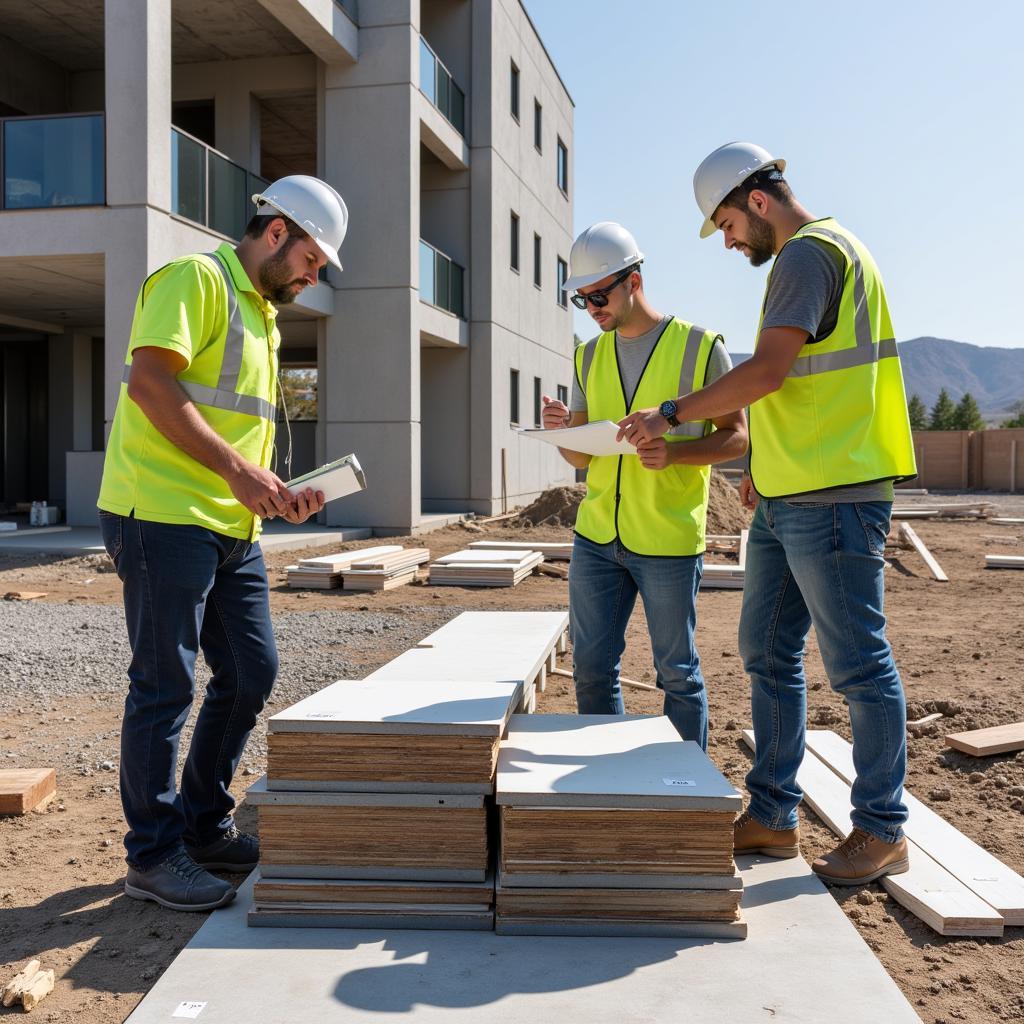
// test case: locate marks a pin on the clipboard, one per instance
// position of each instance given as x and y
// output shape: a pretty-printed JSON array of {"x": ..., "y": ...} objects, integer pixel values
[
  {"x": 336, "y": 479},
  {"x": 594, "y": 438}
]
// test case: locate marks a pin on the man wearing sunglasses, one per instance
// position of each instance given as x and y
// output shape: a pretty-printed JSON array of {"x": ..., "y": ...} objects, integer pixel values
[{"x": 640, "y": 527}]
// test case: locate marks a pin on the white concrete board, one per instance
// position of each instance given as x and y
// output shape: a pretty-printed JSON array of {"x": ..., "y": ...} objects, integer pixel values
[
  {"x": 489, "y": 558},
  {"x": 607, "y": 761},
  {"x": 393, "y": 707},
  {"x": 509, "y": 630},
  {"x": 260, "y": 795},
  {"x": 802, "y": 961}
]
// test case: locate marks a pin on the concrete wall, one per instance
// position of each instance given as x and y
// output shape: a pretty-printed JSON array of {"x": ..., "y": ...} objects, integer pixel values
[{"x": 983, "y": 460}]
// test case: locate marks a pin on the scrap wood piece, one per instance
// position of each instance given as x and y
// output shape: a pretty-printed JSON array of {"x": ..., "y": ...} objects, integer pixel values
[
  {"x": 24, "y": 789},
  {"x": 13, "y": 989},
  {"x": 37, "y": 989},
  {"x": 987, "y": 876},
  {"x": 918, "y": 727},
  {"x": 24, "y": 595},
  {"x": 914, "y": 513},
  {"x": 907, "y": 533},
  {"x": 744, "y": 537},
  {"x": 1004, "y": 561},
  {"x": 926, "y": 889},
  {"x": 622, "y": 679},
  {"x": 1006, "y": 520},
  {"x": 1000, "y": 739},
  {"x": 547, "y": 569}
]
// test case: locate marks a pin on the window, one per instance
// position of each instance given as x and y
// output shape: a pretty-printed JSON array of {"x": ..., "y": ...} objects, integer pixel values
[
  {"x": 538, "y": 112},
  {"x": 563, "y": 274},
  {"x": 513, "y": 396},
  {"x": 563, "y": 394},
  {"x": 514, "y": 254},
  {"x": 563, "y": 168},
  {"x": 536, "y": 260},
  {"x": 514, "y": 90},
  {"x": 536, "y": 401}
]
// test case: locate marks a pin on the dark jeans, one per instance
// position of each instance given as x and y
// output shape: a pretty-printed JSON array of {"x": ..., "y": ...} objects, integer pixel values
[{"x": 187, "y": 589}]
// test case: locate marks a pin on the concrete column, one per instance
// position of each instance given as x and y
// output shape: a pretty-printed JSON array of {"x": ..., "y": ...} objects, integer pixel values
[
  {"x": 137, "y": 44},
  {"x": 59, "y": 422},
  {"x": 81, "y": 397},
  {"x": 237, "y": 123}
]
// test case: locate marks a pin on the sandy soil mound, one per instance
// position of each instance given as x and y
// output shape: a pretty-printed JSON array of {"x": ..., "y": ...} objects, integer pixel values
[{"x": 557, "y": 507}]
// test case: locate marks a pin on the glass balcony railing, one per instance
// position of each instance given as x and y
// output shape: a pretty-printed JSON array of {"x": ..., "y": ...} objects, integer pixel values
[
  {"x": 53, "y": 161},
  {"x": 442, "y": 281},
  {"x": 210, "y": 189},
  {"x": 437, "y": 84}
]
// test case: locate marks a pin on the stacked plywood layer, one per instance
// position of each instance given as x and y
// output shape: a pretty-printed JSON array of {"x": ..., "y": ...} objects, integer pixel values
[
  {"x": 722, "y": 577},
  {"x": 385, "y": 572},
  {"x": 599, "y": 814},
  {"x": 484, "y": 568},
  {"x": 551, "y": 550},
  {"x": 324, "y": 572}
]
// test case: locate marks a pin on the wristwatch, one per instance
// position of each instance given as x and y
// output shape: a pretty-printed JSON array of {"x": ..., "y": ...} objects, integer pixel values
[{"x": 668, "y": 409}]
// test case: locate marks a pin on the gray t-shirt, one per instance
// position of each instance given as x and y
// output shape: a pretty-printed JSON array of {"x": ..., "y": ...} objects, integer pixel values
[
  {"x": 805, "y": 291},
  {"x": 633, "y": 355}
]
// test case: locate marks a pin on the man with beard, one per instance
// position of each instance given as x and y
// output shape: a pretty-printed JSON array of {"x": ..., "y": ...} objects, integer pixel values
[
  {"x": 829, "y": 434},
  {"x": 186, "y": 483}
]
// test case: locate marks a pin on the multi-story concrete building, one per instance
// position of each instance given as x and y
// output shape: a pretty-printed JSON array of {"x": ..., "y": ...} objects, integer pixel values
[{"x": 135, "y": 132}]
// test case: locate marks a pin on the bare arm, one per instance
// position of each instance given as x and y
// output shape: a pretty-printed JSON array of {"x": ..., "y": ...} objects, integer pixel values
[
  {"x": 729, "y": 441},
  {"x": 556, "y": 415},
  {"x": 154, "y": 387}
]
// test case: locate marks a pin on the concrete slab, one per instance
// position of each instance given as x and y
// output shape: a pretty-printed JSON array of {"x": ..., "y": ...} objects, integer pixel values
[
  {"x": 803, "y": 962},
  {"x": 607, "y": 761},
  {"x": 259, "y": 795}
]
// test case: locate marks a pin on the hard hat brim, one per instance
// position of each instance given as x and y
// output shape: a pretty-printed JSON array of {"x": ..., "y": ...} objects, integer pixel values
[
  {"x": 707, "y": 229},
  {"x": 330, "y": 252},
  {"x": 582, "y": 280}
]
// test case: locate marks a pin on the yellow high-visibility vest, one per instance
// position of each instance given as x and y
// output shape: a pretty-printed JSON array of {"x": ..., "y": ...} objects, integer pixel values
[
  {"x": 840, "y": 416},
  {"x": 651, "y": 512}
]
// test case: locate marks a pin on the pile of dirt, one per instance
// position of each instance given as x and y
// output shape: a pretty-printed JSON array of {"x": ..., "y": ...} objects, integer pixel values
[{"x": 557, "y": 507}]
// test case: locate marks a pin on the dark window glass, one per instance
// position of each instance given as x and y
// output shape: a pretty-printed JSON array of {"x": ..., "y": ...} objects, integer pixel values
[
  {"x": 513, "y": 395},
  {"x": 514, "y": 254},
  {"x": 536, "y": 260},
  {"x": 538, "y": 112},
  {"x": 563, "y": 274},
  {"x": 563, "y": 167},
  {"x": 536, "y": 401},
  {"x": 563, "y": 394},
  {"x": 514, "y": 90}
]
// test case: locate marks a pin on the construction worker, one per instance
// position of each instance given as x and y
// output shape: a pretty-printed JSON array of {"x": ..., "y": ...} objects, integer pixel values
[
  {"x": 640, "y": 527},
  {"x": 186, "y": 483},
  {"x": 829, "y": 434}
]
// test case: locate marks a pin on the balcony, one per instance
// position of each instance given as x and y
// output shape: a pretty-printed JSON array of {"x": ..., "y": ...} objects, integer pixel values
[
  {"x": 437, "y": 84},
  {"x": 442, "y": 281},
  {"x": 210, "y": 189},
  {"x": 53, "y": 161}
]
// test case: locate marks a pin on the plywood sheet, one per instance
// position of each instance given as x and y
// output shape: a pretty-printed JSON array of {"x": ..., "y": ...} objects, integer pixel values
[
  {"x": 23, "y": 789},
  {"x": 1000, "y": 739}
]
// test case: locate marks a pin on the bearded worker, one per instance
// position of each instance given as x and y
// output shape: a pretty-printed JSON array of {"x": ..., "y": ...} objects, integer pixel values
[{"x": 186, "y": 484}]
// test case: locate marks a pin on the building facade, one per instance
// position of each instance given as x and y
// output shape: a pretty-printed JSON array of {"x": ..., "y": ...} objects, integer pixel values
[{"x": 135, "y": 132}]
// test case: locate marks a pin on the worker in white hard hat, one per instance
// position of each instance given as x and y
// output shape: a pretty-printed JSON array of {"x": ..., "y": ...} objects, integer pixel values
[
  {"x": 829, "y": 435},
  {"x": 187, "y": 480},
  {"x": 641, "y": 526}
]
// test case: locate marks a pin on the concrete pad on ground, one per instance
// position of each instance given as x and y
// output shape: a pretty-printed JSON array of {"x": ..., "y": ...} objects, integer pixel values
[{"x": 802, "y": 963}]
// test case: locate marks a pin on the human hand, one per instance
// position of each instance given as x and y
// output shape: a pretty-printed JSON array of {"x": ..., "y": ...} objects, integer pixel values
[
  {"x": 555, "y": 414},
  {"x": 654, "y": 454},
  {"x": 263, "y": 493},
  {"x": 645, "y": 425},
  {"x": 748, "y": 496},
  {"x": 307, "y": 503}
]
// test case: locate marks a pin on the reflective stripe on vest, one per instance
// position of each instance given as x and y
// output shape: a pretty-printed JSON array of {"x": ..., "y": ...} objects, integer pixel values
[{"x": 225, "y": 395}]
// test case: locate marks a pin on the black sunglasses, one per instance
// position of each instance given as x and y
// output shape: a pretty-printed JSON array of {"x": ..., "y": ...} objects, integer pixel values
[{"x": 599, "y": 299}]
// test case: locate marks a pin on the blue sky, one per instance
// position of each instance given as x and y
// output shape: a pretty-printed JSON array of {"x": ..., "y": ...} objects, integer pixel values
[{"x": 900, "y": 118}]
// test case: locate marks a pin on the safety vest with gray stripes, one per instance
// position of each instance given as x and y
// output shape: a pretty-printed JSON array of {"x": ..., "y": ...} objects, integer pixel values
[
  {"x": 651, "y": 512},
  {"x": 840, "y": 416}
]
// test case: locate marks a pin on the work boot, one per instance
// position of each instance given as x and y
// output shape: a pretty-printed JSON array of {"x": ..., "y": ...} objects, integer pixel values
[
  {"x": 178, "y": 883},
  {"x": 234, "y": 851},
  {"x": 750, "y": 836},
  {"x": 861, "y": 858}
]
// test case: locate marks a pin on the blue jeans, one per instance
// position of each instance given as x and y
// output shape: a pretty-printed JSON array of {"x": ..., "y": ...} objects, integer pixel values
[
  {"x": 187, "y": 589},
  {"x": 822, "y": 565},
  {"x": 604, "y": 580}
]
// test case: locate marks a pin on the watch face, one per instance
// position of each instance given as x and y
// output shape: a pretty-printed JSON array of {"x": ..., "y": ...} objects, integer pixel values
[{"x": 667, "y": 408}]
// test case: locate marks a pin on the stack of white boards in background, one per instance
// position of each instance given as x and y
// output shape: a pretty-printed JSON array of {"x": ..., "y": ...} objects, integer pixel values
[
  {"x": 373, "y": 812},
  {"x": 484, "y": 568},
  {"x": 721, "y": 577},
  {"x": 324, "y": 572},
  {"x": 553, "y": 551},
  {"x": 613, "y": 825},
  {"x": 385, "y": 572}
]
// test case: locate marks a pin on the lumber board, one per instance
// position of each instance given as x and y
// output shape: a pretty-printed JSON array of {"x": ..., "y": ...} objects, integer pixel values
[
  {"x": 12, "y": 990},
  {"x": 1004, "y": 561},
  {"x": 24, "y": 789},
  {"x": 548, "y": 877},
  {"x": 908, "y": 534},
  {"x": 987, "y": 876},
  {"x": 915, "y": 513},
  {"x": 479, "y": 922},
  {"x": 744, "y": 539},
  {"x": 1000, "y": 739},
  {"x": 1006, "y": 520},
  {"x": 623, "y": 681},
  {"x": 622, "y": 929},
  {"x": 926, "y": 889}
]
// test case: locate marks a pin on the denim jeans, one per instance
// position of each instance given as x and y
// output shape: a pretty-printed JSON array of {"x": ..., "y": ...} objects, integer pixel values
[
  {"x": 604, "y": 580},
  {"x": 187, "y": 589},
  {"x": 822, "y": 564}
]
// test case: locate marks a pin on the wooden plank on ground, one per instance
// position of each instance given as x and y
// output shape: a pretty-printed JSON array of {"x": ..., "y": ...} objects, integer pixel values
[
  {"x": 907, "y": 533},
  {"x": 1000, "y": 739},
  {"x": 926, "y": 889},
  {"x": 999, "y": 886},
  {"x": 744, "y": 537},
  {"x": 1006, "y": 520},
  {"x": 24, "y": 789}
]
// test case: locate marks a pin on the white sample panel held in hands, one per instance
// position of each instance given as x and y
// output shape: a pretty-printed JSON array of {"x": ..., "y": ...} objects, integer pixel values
[
  {"x": 335, "y": 480},
  {"x": 597, "y": 438}
]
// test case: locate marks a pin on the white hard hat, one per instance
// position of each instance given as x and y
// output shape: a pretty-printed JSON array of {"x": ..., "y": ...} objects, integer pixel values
[
  {"x": 721, "y": 171},
  {"x": 604, "y": 248},
  {"x": 314, "y": 206}
]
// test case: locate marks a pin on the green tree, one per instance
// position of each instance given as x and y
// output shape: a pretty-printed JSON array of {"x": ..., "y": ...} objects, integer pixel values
[
  {"x": 942, "y": 412},
  {"x": 918, "y": 413},
  {"x": 967, "y": 415},
  {"x": 1018, "y": 419}
]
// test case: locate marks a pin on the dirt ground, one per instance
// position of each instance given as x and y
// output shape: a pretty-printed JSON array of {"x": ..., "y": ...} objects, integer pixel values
[{"x": 958, "y": 646}]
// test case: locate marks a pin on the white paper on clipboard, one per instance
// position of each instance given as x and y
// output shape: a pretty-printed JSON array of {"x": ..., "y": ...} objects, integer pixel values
[
  {"x": 336, "y": 479},
  {"x": 597, "y": 438}
]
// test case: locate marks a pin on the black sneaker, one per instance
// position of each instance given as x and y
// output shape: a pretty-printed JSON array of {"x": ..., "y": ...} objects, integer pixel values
[
  {"x": 179, "y": 883},
  {"x": 234, "y": 851}
]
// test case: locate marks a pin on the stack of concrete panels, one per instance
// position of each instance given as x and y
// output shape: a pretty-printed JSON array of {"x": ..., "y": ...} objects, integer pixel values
[
  {"x": 553, "y": 551},
  {"x": 484, "y": 568},
  {"x": 613, "y": 825},
  {"x": 324, "y": 571},
  {"x": 375, "y": 805},
  {"x": 385, "y": 572}
]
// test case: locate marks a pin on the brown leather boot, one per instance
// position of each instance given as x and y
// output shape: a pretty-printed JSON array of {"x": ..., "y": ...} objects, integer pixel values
[
  {"x": 750, "y": 836},
  {"x": 861, "y": 858}
]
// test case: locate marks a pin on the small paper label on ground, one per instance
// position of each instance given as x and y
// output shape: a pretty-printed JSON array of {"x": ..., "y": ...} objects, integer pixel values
[
  {"x": 189, "y": 1010},
  {"x": 678, "y": 780}
]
